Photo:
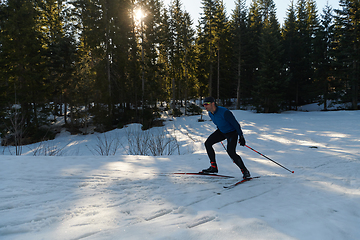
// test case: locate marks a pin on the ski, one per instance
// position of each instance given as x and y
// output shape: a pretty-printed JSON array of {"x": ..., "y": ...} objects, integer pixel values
[
  {"x": 240, "y": 182},
  {"x": 205, "y": 174}
]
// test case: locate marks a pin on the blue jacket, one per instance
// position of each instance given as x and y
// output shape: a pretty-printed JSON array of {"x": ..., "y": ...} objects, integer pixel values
[{"x": 225, "y": 121}]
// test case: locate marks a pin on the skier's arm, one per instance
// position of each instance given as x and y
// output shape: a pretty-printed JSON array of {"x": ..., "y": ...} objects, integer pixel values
[{"x": 229, "y": 117}]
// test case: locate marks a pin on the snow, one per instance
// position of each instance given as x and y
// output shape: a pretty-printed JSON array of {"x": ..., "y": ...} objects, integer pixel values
[{"x": 79, "y": 194}]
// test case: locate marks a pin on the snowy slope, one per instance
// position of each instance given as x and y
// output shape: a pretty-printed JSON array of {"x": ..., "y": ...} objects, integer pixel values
[{"x": 83, "y": 196}]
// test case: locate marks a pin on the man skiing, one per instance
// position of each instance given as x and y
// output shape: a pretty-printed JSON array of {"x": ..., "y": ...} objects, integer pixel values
[{"x": 227, "y": 128}]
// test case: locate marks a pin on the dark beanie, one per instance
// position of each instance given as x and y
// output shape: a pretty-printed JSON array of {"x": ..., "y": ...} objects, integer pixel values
[{"x": 209, "y": 99}]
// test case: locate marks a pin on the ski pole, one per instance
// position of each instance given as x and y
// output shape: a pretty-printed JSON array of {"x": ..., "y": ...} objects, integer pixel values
[
  {"x": 269, "y": 158},
  {"x": 223, "y": 145}
]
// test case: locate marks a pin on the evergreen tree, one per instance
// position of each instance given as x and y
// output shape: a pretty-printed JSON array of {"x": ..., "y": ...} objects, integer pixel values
[
  {"x": 181, "y": 52},
  {"x": 255, "y": 25},
  {"x": 151, "y": 28},
  {"x": 270, "y": 85},
  {"x": 165, "y": 48},
  {"x": 290, "y": 42},
  {"x": 313, "y": 27},
  {"x": 177, "y": 50},
  {"x": 299, "y": 36},
  {"x": 132, "y": 90},
  {"x": 307, "y": 25},
  {"x": 94, "y": 53},
  {"x": 348, "y": 49},
  {"x": 22, "y": 60},
  {"x": 189, "y": 63},
  {"x": 323, "y": 61},
  {"x": 214, "y": 50},
  {"x": 206, "y": 44},
  {"x": 61, "y": 50},
  {"x": 105, "y": 28},
  {"x": 224, "y": 84},
  {"x": 121, "y": 62},
  {"x": 240, "y": 48}
]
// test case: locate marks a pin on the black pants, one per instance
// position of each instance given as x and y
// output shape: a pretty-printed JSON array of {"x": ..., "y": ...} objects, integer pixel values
[{"x": 232, "y": 139}]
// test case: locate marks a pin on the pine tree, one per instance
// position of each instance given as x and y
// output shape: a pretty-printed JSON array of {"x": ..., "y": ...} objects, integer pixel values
[
  {"x": 151, "y": 23},
  {"x": 307, "y": 25},
  {"x": 189, "y": 63},
  {"x": 181, "y": 53},
  {"x": 224, "y": 84},
  {"x": 290, "y": 41},
  {"x": 61, "y": 49},
  {"x": 299, "y": 35},
  {"x": 270, "y": 85},
  {"x": 164, "y": 63},
  {"x": 214, "y": 50},
  {"x": 122, "y": 42},
  {"x": 22, "y": 59},
  {"x": 255, "y": 25},
  {"x": 348, "y": 49},
  {"x": 105, "y": 28},
  {"x": 323, "y": 61},
  {"x": 240, "y": 50},
  {"x": 93, "y": 57},
  {"x": 132, "y": 90},
  {"x": 206, "y": 44},
  {"x": 177, "y": 50}
]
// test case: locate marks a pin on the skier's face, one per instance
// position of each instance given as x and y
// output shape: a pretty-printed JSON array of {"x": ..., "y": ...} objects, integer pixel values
[{"x": 210, "y": 107}]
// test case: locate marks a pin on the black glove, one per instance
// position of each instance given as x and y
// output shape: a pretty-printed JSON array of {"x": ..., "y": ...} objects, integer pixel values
[{"x": 242, "y": 140}]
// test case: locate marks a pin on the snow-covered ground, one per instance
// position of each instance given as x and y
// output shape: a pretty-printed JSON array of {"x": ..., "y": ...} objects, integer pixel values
[{"x": 81, "y": 195}]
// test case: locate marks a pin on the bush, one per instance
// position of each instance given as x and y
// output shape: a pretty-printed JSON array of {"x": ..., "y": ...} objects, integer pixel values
[
  {"x": 176, "y": 112},
  {"x": 150, "y": 118},
  {"x": 194, "y": 109},
  {"x": 151, "y": 144},
  {"x": 106, "y": 146}
]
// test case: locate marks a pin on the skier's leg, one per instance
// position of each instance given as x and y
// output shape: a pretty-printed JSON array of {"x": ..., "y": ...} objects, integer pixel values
[
  {"x": 215, "y": 137},
  {"x": 232, "y": 139}
]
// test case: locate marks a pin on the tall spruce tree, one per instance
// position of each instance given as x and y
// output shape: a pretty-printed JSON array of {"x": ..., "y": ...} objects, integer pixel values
[
  {"x": 22, "y": 61},
  {"x": 214, "y": 50},
  {"x": 323, "y": 57},
  {"x": 105, "y": 28},
  {"x": 299, "y": 35},
  {"x": 132, "y": 86},
  {"x": 182, "y": 59},
  {"x": 177, "y": 50},
  {"x": 151, "y": 28},
  {"x": 307, "y": 25},
  {"x": 121, "y": 40},
  {"x": 255, "y": 25},
  {"x": 269, "y": 88},
  {"x": 206, "y": 44},
  {"x": 290, "y": 42},
  {"x": 61, "y": 50},
  {"x": 240, "y": 49},
  {"x": 189, "y": 63},
  {"x": 165, "y": 48},
  {"x": 93, "y": 54},
  {"x": 348, "y": 49},
  {"x": 224, "y": 84}
]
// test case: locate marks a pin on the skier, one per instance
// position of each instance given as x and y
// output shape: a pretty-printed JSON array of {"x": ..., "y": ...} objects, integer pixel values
[{"x": 227, "y": 128}]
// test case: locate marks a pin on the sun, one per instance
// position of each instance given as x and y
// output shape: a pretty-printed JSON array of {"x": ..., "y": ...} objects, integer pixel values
[{"x": 139, "y": 14}]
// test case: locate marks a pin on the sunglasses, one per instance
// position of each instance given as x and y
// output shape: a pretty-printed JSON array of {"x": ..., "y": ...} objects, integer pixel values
[{"x": 206, "y": 103}]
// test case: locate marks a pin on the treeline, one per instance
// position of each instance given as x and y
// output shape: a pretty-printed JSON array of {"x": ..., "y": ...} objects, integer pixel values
[{"x": 111, "y": 61}]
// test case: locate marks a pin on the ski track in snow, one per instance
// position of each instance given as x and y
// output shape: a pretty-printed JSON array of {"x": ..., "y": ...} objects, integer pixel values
[{"x": 135, "y": 197}]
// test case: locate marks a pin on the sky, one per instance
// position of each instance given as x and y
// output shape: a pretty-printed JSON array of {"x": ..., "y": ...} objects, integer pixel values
[{"x": 194, "y": 7}]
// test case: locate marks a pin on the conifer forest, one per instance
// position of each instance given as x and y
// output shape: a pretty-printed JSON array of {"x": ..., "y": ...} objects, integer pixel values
[{"x": 114, "y": 62}]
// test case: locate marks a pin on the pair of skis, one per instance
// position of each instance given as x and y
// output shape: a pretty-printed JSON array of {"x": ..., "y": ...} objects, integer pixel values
[
  {"x": 223, "y": 176},
  {"x": 242, "y": 181}
]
